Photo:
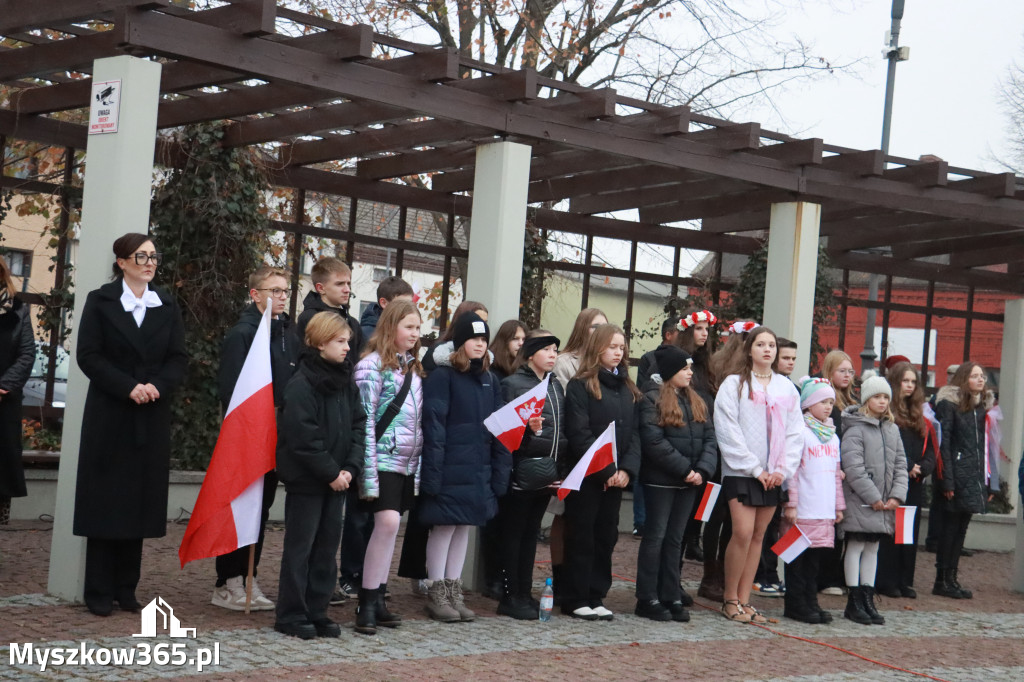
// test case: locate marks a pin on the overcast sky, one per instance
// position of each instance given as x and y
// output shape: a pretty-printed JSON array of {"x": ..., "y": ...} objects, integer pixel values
[{"x": 947, "y": 95}]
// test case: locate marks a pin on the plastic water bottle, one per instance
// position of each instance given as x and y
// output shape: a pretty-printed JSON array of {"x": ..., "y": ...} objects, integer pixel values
[{"x": 547, "y": 601}]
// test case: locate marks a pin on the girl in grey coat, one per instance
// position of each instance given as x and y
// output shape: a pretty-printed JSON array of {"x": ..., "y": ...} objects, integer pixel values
[{"x": 876, "y": 484}]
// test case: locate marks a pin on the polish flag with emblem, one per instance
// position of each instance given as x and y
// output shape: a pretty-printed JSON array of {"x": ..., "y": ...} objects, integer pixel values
[
  {"x": 599, "y": 455},
  {"x": 905, "y": 525},
  {"x": 707, "y": 502},
  {"x": 791, "y": 545},
  {"x": 226, "y": 515},
  {"x": 508, "y": 423}
]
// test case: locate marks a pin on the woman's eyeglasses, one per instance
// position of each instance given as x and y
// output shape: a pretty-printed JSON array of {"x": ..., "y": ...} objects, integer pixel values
[
  {"x": 143, "y": 258},
  {"x": 277, "y": 293}
]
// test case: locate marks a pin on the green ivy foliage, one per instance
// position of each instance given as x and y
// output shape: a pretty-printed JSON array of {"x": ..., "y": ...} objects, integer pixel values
[
  {"x": 209, "y": 220},
  {"x": 531, "y": 294}
]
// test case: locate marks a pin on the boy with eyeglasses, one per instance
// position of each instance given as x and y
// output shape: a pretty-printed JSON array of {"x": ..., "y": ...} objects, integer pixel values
[
  {"x": 332, "y": 290},
  {"x": 272, "y": 283}
]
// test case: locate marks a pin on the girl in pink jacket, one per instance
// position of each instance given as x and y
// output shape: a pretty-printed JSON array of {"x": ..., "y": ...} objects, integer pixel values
[{"x": 816, "y": 501}]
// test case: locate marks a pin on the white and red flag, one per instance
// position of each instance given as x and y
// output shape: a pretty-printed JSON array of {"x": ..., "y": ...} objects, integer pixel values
[
  {"x": 227, "y": 513},
  {"x": 905, "y": 525},
  {"x": 508, "y": 423},
  {"x": 791, "y": 545},
  {"x": 599, "y": 455},
  {"x": 707, "y": 501}
]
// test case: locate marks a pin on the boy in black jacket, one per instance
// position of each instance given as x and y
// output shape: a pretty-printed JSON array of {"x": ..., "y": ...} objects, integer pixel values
[
  {"x": 332, "y": 284},
  {"x": 272, "y": 283},
  {"x": 324, "y": 430}
]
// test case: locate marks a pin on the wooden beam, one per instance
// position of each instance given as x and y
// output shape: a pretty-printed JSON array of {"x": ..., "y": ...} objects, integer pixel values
[
  {"x": 927, "y": 232},
  {"x": 232, "y": 103},
  {"x": 18, "y": 15},
  {"x": 43, "y": 130},
  {"x": 937, "y": 272},
  {"x": 870, "y": 162},
  {"x": 733, "y": 137},
  {"x": 587, "y": 104},
  {"x": 583, "y": 184},
  {"x": 928, "y": 174},
  {"x": 998, "y": 185},
  {"x": 70, "y": 54},
  {"x": 415, "y": 163},
  {"x": 343, "y": 42},
  {"x": 990, "y": 256},
  {"x": 798, "y": 152},
  {"x": 726, "y": 204},
  {"x": 937, "y": 247},
  {"x": 513, "y": 86},
  {"x": 311, "y": 122}
]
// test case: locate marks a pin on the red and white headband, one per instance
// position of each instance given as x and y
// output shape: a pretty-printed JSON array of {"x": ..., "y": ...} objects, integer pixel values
[
  {"x": 695, "y": 318},
  {"x": 742, "y": 326}
]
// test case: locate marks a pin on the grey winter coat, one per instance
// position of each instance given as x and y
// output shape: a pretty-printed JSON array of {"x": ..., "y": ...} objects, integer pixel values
[{"x": 876, "y": 469}]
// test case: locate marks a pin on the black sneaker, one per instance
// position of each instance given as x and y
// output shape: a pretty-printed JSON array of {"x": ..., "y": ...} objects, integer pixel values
[
  {"x": 638, "y": 530},
  {"x": 327, "y": 628},
  {"x": 300, "y": 630},
  {"x": 653, "y": 609},
  {"x": 346, "y": 588},
  {"x": 678, "y": 611},
  {"x": 338, "y": 597}
]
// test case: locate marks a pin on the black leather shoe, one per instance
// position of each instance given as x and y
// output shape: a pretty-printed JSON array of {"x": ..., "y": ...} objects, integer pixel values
[
  {"x": 653, "y": 609},
  {"x": 300, "y": 630},
  {"x": 128, "y": 602},
  {"x": 100, "y": 607},
  {"x": 685, "y": 597},
  {"x": 908, "y": 592},
  {"x": 966, "y": 552},
  {"x": 678, "y": 611},
  {"x": 518, "y": 608},
  {"x": 891, "y": 592},
  {"x": 327, "y": 628}
]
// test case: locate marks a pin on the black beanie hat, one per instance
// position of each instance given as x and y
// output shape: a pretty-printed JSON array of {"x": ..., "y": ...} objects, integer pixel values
[
  {"x": 468, "y": 326},
  {"x": 671, "y": 360},
  {"x": 534, "y": 344}
]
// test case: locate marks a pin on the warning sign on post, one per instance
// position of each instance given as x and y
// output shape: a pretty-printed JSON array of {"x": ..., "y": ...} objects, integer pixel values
[{"x": 105, "y": 107}]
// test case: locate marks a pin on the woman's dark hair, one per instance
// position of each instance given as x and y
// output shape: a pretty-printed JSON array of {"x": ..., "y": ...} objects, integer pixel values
[
  {"x": 125, "y": 247},
  {"x": 504, "y": 360},
  {"x": 908, "y": 411},
  {"x": 968, "y": 400},
  {"x": 704, "y": 378}
]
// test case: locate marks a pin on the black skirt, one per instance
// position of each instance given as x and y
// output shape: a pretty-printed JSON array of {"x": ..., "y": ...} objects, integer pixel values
[
  {"x": 397, "y": 492},
  {"x": 751, "y": 493}
]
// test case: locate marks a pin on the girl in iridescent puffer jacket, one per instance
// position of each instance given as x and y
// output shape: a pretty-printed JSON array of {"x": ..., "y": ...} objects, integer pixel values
[{"x": 391, "y": 466}]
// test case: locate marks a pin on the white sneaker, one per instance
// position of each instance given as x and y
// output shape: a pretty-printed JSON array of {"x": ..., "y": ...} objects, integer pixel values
[
  {"x": 259, "y": 600},
  {"x": 584, "y": 613},
  {"x": 231, "y": 596},
  {"x": 603, "y": 613}
]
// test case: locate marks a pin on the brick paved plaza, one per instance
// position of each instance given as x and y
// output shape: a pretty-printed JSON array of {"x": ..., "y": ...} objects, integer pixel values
[{"x": 982, "y": 639}]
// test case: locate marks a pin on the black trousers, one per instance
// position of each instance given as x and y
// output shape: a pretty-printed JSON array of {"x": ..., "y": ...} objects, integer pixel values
[
  {"x": 312, "y": 531},
  {"x": 768, "y": 567},
  {"x": 717, "y": 531},
  {"x": 951, "y": 541},
  {"x": 830, "y": 569},
  {"x": 519, "y": 517},
  {"x": 935, "y": 514},
  {"x": 591, "y": 531},
  {"x": 112, "y": 570},
  {"x": 657, "y": 567},
  {"x": 413, "y": 562},
  {"x": 802, "y": 579},
  {"x": 896, "y": 563},
  {"x": 355, "y": 535},
  {"x": 235, "y": 564}
]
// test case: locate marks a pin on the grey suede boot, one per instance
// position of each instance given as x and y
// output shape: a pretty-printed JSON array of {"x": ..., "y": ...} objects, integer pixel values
[
  {"x": 439, "y": 606},
  {"x": 457, "y": 600}
]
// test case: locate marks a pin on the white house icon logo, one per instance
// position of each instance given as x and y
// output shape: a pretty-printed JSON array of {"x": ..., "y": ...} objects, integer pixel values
[{"x": 157, "y": 609}]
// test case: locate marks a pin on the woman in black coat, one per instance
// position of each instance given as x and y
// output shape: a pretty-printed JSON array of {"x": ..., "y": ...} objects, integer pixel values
[
  {"x": 544, "y": 443},
  {"x": 131, "y": 345},
  {"x": 678, "y": 454},
  {"x": 961, "y": 408},
  {"x": 896, "y": 563},
  {"x": 17, "y": 353},
  {"x": 464, "y": 469},
  {"x": 601, "y": 393}
]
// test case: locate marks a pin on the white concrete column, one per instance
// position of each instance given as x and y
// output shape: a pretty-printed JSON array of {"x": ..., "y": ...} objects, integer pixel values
[
  {"x": 1011, "y": 400},
  {"x": 118, "y": 184},
  {"x": 498, "y": 228},
  {"x": 792, "y": 272}
]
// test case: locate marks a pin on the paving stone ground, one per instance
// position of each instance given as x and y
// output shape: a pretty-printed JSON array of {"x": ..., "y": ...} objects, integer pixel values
[{"x": 930, "y": 637}]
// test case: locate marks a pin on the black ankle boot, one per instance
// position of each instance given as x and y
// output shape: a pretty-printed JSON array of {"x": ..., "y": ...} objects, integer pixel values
[
  {"x": 366, "y": 612},
  {"x": 943, "y": 587},
  {"x": 955, "y": 582},
  {"x": 855, "y": 608},
  {"x": 385, "y": 618},
  {"x": 798, "y": 608},
  {"x": 867, "y": 595}
]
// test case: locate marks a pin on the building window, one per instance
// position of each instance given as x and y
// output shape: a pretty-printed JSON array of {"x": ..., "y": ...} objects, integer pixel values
[
  {"x": 19, "y": 262},
  {"x": 381, "y": 274}
]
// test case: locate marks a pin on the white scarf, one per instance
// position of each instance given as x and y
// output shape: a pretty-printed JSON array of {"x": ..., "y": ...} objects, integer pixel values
[{"x": 137, "y": 306}]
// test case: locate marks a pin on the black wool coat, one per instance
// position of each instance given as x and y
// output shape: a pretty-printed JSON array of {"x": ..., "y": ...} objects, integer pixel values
[
  {"x": 124, "y": 457},
  {"x": 464, "y": 469},
  {"x": 313, "y": 304},
  {"x": 17, "y": 353},
  {"x": 323, "y": 427},
  {"x": 552, "y": 441},
  {"x": 586, "y": 418}
]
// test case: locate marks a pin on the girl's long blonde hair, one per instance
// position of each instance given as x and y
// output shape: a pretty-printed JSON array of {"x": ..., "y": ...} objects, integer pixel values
[
  {"x": 844, "y": 396},
  {"x": 590, "y": 361},
  {"x": 669, "y": 412},
  {"x": 383, "y": 340}
]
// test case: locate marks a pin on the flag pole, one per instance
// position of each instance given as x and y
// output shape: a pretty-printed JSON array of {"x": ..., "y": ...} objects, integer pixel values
[{"x": 248, "y": 579}]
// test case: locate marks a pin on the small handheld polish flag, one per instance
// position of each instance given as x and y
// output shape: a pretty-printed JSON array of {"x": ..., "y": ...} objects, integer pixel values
[
  {"x": 791, "y": 545},
  {"x": 905, "y": 525},
  {"x": 707, "y": 501},
  {"x": 508, "y": 423},
  {"x": 597, "y": 457}
]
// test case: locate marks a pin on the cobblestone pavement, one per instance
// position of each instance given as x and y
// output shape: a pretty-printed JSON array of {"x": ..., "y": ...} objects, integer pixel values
[{"x": 980, "y": 639}]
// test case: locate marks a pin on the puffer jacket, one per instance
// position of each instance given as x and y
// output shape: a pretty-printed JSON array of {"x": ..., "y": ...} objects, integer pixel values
[
  {"x": 401, "y": 445},
  {"x": 876, "y": 469},
  {"x": 323, "y": 427},
  {"x": 552, "y": 441},
  {"x": 963, "y": 451},
  {"x": 586, "y": 418},
  {"x": 669, "y": 453},
  {"x": 465, "y": 468}
]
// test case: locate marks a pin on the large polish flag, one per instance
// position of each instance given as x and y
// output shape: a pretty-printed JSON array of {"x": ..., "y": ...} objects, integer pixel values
[
  {"x": 227, "y": 512},
  {"x": 707, "y": 502},
  {"x": 508, "y": 423},
  {"x": 905, "y": 525},
  {"x": 599, "y": 455},
  {"x": 791, "y": 545}
]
